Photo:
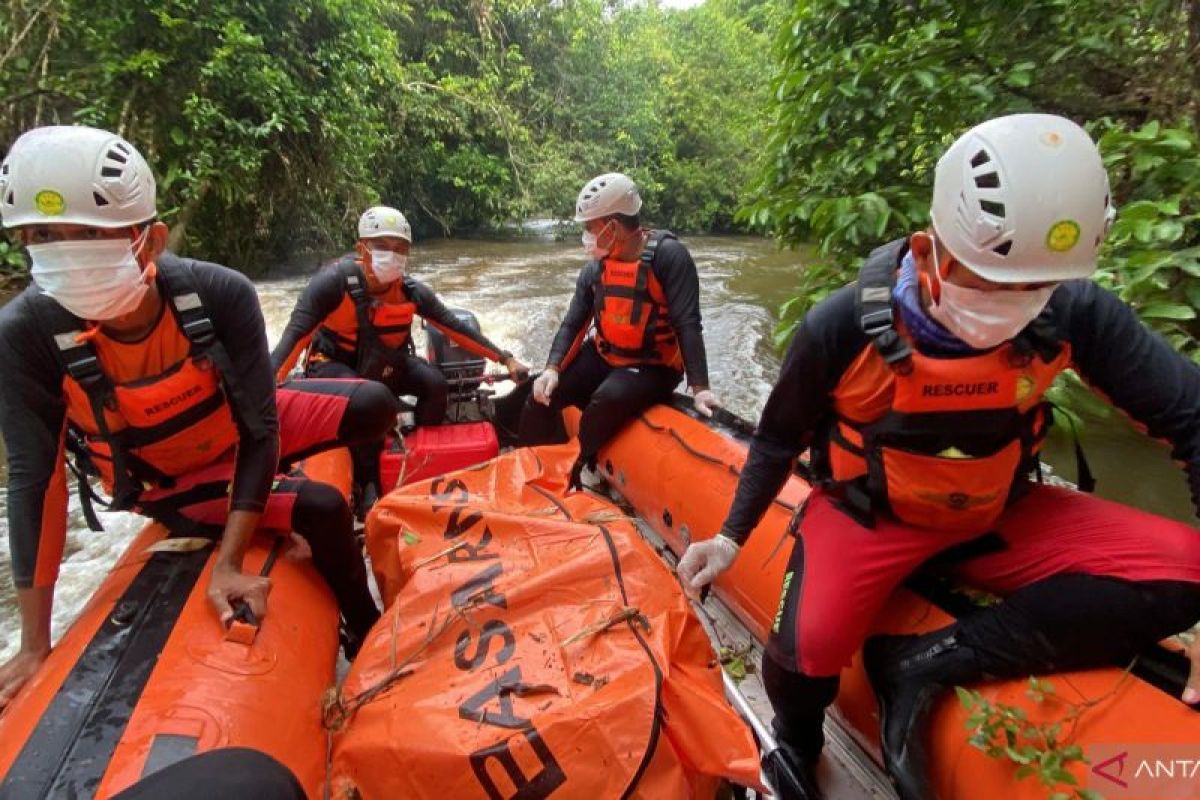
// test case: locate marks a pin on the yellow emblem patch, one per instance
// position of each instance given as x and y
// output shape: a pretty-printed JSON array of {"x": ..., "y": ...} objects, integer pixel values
[
  {"x": 1025, "y": 386},
  {"x": 49, "y": 202},
  {"x": 1063, "y": 236}
]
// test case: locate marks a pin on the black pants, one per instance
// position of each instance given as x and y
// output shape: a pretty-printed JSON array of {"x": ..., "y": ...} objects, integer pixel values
[
  {"x": 231, "y": 773},
  {"x": 609, "y": 396},
  {"x": 322, "y": 516},
  {"x": 1065, "y": 622},
  {"x": 418, "y": 378}
]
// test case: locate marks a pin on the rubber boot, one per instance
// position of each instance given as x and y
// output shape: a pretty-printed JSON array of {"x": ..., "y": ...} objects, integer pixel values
[
  {"x": 367, "y": 498},
  {"x": 584, "y": 475},
  {"x": 351, "y": 642},
  {"x": 793, "y": 774},
  {"x": 908, "y": 673},
  {"x": 799, "y": 702},
  {"x": 352, "y": 633}
]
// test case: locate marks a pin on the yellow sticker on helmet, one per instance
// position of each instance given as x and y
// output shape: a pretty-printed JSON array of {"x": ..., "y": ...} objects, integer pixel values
[
  {"x": 49, "y": 202},
  {"x": 1063, "y": 236}
]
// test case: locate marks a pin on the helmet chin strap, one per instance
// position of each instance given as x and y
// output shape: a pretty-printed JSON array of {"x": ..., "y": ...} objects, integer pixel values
[
  {"x": 619, "y": 248},
  {"x": 930, "y": 280}
]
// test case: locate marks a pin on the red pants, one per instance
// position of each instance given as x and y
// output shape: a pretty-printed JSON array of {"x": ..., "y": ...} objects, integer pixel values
[
  {"x": 311, "y": 414},
  {"x": 843, "y": 573},
  {"x": 314, "y": 415}
]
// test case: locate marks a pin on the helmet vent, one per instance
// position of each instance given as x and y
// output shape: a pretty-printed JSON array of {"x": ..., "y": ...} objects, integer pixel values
[
  {"x": 11, "y": 199},
  {"x": 992, "y": 207},
  {"x": 989, "y": 180},
  {"x": 117, "y": 155},
  {"x": 980, "y": 158},
  {"x": 99, "y": 198},
  {"x": 1003, "y": 248},
  {"x": 110, "y": 172}
]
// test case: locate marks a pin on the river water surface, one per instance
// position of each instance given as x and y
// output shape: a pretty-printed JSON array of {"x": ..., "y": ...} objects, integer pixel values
[{"x": 520, "y": 290}]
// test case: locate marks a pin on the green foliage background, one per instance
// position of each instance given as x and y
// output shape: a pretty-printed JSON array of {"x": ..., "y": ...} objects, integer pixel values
[
  {"x": 869, "y": 93},
  {"x": 273, "y": 123}
]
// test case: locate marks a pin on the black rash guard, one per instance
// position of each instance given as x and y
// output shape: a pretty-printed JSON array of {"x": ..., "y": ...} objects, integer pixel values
[
  {"x": 324, "y": 294},
  {"x": 1110, "y": 349},
  {"x": 676, "y": 273},
  {"x": 33, "y": 409}
]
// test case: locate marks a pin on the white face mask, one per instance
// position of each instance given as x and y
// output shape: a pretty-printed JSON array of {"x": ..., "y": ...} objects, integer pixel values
[
  {"x": 985, "y": 319},
  {"x": 96, "y": 280},
  {"x": 387, "y": 265},
  {"x": 591, "y": 243}
]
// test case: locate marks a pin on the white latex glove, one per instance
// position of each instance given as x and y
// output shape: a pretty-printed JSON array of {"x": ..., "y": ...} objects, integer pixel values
[
  {"x": 703, "y": 561},
  {"x": 1191, "y": 694},
  {"x": 705, "y": 401},
  {"x": 544, "y": 386}
]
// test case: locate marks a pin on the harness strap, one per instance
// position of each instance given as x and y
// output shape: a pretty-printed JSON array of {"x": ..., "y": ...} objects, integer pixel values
[
  {"x": 876, "y": 284},
  {"x": 368, "y": 334},
  {"x": 81, "y": 363},
  {"x": 197, "y": 326},
  {"x": 639, "y": 293}
]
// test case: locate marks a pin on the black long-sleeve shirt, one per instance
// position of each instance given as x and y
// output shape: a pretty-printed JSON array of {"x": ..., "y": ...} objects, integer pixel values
[
  {"x": 676, "y": 273},
  {"x": 1110, "y": 348},
  {"x": 33, "y": 413},
  {"x": 325, "y": 293}
]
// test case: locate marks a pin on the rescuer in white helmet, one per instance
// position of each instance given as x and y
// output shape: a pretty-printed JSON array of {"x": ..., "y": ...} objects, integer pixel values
[
  {"x": 632, "y": 332},
  {"x": 918, "y": 392}
]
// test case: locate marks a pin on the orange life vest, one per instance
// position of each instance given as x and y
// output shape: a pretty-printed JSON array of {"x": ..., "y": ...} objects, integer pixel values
[
  {"x": 940, "y": 442},
  {"x": 367, "y": 332},
  {"x": 143, "y": 433},
  {"x": 632, "y": 321}
]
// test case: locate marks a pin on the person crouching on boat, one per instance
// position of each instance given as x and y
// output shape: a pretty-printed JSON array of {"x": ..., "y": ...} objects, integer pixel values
[
  {"x": 355, "y": 319},
  {"x": 919, "y": 390},
  {"x": 639, "y": 295},
  {"x": 153, "y": 372}
]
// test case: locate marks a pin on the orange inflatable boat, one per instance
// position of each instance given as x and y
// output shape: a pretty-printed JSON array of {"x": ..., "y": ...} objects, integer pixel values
[
  {"x": 147, "y": 675},
  {"x": 679, "y": 473}
]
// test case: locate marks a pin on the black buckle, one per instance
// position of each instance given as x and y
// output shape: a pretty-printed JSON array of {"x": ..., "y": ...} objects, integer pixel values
[
  {"x": 85, "y": 367},
  {"x": 199, "y": 330},
  {"x": 874, "y": 323}
]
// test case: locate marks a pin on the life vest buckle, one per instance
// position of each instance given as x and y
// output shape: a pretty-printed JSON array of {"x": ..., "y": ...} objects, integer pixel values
[
  {"x": 85, "y": 368},
  {"x": 875, "y": 323},
  {"x": 200, "y": 330}
]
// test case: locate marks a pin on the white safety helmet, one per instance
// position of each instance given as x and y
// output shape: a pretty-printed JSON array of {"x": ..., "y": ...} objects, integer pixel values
[
  {"x": 76, "y": 175},
  {"x": 1023, "y": 199},
  {"x": 608, "y": 194},
  {"x": 381, "y": 221}
]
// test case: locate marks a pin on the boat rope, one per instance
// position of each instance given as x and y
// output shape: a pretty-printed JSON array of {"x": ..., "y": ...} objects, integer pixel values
[
  {"x": 711, "y": 459},
  {"x": 336, "y": 709},
  {"x": 674, "y": 434}
]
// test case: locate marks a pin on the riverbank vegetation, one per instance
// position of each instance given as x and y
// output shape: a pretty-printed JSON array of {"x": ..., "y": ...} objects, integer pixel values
[
  {"x": 868, "y": 94},
  {"x": 273, "y": 123}
]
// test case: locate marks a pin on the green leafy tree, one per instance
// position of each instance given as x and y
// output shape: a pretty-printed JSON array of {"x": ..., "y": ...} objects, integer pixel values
[{"x": 869, "y": 94}]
